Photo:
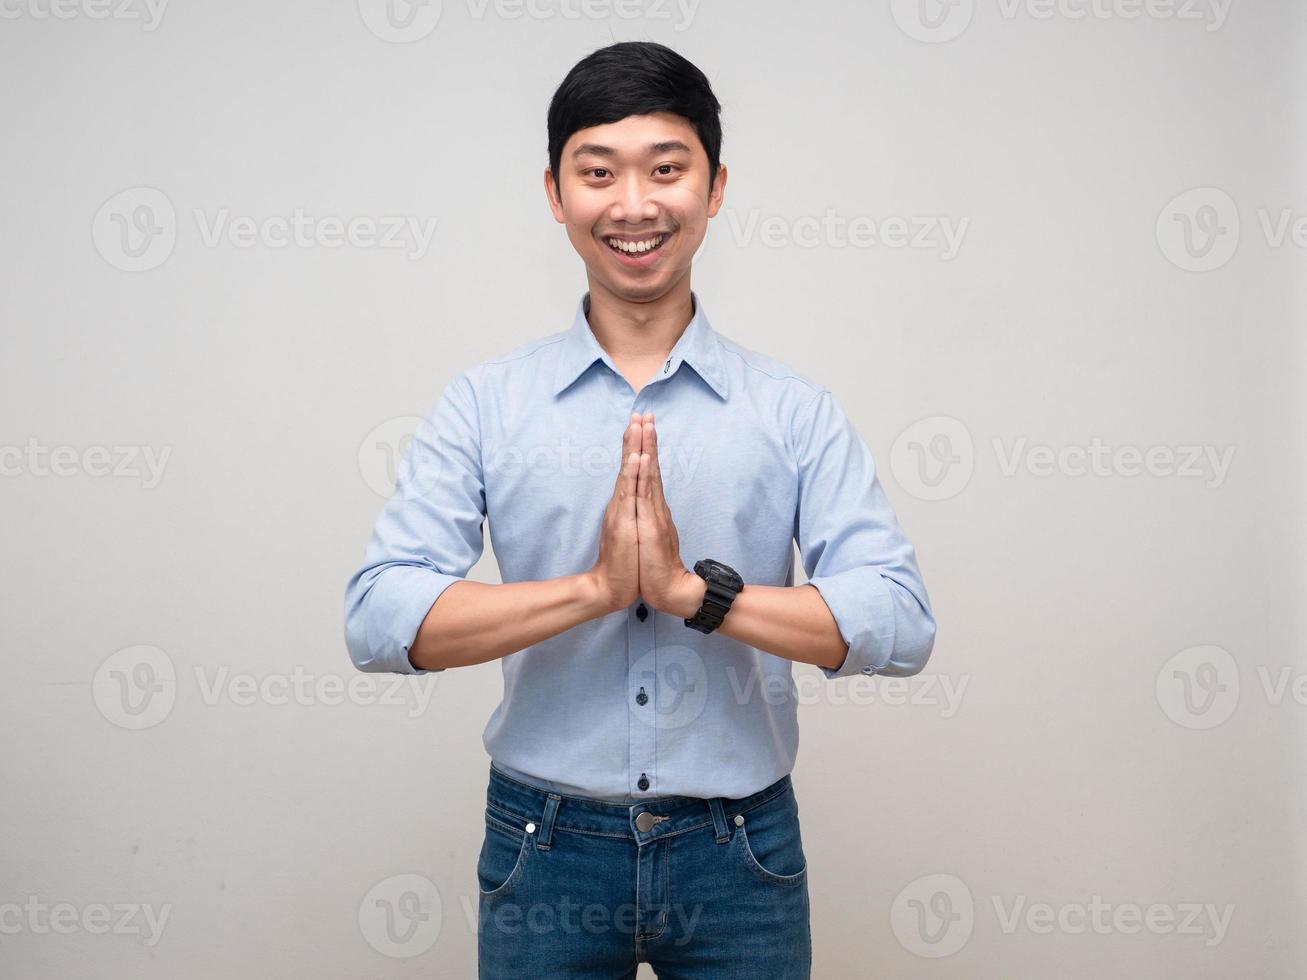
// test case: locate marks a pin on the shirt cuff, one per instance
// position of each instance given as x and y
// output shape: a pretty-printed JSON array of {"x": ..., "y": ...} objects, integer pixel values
[
  {"x": 860, "y": 600},
  {"x": 398, "y": 603}
]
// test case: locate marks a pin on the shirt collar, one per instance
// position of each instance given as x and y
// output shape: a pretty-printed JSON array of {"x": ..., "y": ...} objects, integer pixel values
[{"x": 697, "y": 346}]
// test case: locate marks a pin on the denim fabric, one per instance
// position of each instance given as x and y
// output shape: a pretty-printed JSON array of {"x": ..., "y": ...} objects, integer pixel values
[{"x": 572, "y": 887}]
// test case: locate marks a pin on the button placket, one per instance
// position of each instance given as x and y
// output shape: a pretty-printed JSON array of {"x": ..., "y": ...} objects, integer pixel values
[
  {"x": 640, "y": 643},
  {"x": 643, "y": 692}
]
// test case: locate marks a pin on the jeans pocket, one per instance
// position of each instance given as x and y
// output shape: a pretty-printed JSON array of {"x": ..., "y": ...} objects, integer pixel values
[
  {"x": 503, "y": 854},
  {"x": 770, "y": 842}
]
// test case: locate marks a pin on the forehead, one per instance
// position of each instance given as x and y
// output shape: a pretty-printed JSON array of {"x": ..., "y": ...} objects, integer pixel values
[{"x": 636, "y": 136}]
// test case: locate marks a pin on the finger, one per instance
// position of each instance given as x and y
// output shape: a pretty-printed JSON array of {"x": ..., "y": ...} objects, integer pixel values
[
  {"x": 655, "y": 471},
  {"x": 645, "y": 503},
  {"x": 630, "y": 470},
  {"x": 630, "y": 443}
]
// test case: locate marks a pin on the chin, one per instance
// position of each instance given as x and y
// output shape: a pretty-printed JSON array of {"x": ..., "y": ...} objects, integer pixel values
[{"x": 631, "y": 287}]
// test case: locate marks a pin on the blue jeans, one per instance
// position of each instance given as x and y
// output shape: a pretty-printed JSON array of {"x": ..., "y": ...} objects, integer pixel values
[{"x": 699, "y": 889}]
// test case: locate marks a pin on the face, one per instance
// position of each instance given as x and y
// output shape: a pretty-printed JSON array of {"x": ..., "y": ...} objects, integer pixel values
[{"x": 641, "y": 182}]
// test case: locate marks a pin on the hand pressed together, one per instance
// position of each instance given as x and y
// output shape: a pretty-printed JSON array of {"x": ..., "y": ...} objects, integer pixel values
[{"x": 639, "y": 549}]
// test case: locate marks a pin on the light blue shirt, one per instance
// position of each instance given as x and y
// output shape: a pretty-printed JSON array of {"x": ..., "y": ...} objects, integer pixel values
[{"x": 754, "y": 458}]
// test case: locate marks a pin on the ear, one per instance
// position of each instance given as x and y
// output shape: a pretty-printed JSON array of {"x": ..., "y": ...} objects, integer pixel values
[
  {"x": 717, "y": 193},
  {"x": 551, "y": 192}
]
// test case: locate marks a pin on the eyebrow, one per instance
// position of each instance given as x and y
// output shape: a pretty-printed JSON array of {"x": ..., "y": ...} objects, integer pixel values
[{"x": 599, "y": 150}]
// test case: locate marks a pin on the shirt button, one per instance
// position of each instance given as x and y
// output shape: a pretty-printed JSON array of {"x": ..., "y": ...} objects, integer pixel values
[
  {"x": 644, "y": 781},
  {"x": 642, "y": 698},
  {"x": 642, "y": 613}
]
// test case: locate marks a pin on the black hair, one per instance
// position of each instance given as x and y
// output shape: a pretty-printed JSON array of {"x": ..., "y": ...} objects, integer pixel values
[{"x": 633, "y": 78}]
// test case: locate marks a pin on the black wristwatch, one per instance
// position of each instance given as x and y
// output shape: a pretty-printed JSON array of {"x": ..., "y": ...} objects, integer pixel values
[{"x": 724, "y": 584}]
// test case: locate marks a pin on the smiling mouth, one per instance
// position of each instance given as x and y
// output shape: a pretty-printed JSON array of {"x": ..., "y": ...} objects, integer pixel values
[{"x": 637, "y": 249}]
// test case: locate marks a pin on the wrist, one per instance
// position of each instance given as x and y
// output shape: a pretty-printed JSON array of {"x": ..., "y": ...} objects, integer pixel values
[
  {"x": 689, "y": 597},
  {"x": 594, "y": 601}
]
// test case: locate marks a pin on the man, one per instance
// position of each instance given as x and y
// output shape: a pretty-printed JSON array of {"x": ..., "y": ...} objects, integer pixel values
[{"x": 645, "y": 479}]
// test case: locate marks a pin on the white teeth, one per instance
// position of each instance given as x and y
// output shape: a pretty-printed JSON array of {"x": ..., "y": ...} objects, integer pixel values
[{"x": 635, "y": 248}]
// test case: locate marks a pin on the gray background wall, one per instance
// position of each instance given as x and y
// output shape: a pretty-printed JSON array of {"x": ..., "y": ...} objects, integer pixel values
[{"x": 1100, "y": 771}]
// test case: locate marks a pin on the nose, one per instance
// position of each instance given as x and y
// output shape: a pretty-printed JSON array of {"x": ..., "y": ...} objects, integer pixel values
[{"x": 634, "y": 204}]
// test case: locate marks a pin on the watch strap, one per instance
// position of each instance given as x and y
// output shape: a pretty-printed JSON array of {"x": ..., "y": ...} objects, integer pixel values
[{"x": 723, "y": 585}]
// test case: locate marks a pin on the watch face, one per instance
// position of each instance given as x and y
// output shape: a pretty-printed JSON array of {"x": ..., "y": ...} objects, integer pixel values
[{"x": 715, "y": 571}]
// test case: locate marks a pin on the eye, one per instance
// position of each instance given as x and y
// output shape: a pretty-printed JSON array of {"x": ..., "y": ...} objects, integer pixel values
[
  {"x": 597, "y": 170},
  {"x": 667, "y": 166}
]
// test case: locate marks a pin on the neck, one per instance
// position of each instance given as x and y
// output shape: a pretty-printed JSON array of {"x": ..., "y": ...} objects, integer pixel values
[{"x": 627, "y": 328}]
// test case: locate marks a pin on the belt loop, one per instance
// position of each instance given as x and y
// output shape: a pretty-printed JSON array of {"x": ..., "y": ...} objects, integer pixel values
[
  {"x": 543, "y": 839},
  {"x": 718, "y": 819}
]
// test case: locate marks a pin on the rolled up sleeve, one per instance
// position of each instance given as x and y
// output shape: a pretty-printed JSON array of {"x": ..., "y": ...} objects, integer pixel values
[
  {"x": 854, "y": 551},
  {"x": 428, "y": 536}
]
